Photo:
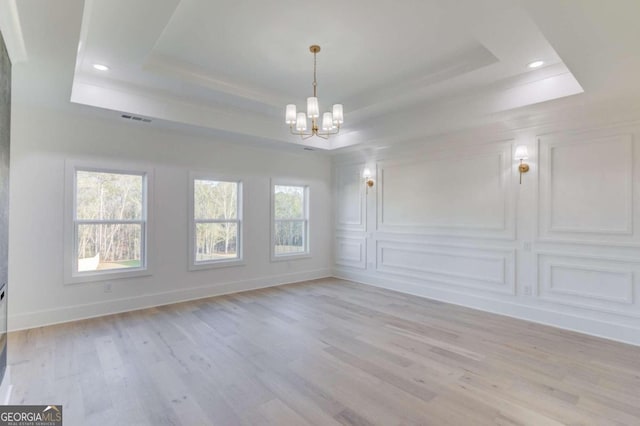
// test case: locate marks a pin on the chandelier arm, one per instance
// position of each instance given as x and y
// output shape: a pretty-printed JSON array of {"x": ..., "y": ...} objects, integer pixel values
[
  {"x": 299, "y": 133},
  {"x": 330, "y": 132}
]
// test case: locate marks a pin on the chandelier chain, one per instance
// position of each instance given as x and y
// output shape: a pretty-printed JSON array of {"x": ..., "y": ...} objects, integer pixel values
[{"x": 315, "y": 83}]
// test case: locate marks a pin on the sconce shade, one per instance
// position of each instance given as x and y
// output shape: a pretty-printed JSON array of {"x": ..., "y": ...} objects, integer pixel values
[
  {"x": 366, "y": 173},
  {"x": 313, "y": 111},
  {"x": 301, "y": 122},
  {"x": 338, "y": 115},
  {"x": 290, "y": 116},
  {"x": 522, "y": 153},
  {"x": 327, "y": 121}
]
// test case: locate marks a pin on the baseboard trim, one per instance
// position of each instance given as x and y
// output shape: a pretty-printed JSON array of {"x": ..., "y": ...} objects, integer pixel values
[
  {"x": 65, "y": 314},
  {"x": 589, "y": 326},
  {"x": 592, "y": 327}
]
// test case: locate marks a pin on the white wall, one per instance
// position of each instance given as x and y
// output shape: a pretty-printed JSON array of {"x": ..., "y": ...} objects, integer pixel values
[
  {"x": 448, "y": 220},
  {"x": 42, "y": 140}
]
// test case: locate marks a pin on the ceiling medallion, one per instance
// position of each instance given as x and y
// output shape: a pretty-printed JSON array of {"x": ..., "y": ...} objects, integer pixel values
[{"x": 331, "y": 121}]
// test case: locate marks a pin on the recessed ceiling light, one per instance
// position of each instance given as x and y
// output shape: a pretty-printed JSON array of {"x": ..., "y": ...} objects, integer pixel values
[
  {"x": 536, "y": 64},
  {"x": 101, "y": 67}
]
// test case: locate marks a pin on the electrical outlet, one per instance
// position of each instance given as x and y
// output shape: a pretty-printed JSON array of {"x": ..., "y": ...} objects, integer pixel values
[
  {"x": 527, "y": 290},
  {"x": 107, "y": 287},
  {"x": 526, "y": 245}
]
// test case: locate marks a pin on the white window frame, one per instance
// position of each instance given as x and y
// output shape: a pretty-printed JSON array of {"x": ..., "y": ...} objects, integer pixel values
[
  {"x": 71, "y": 273},
  {"x": 217, "y": 263},
  {"x": 306, "y": 219}
]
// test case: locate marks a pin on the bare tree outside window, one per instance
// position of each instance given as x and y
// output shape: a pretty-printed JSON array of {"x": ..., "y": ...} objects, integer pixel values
[
  {"x": 216, "y": 220},
  {"x": 290, "y": 220},
  {"x": 109, "y": 220}
]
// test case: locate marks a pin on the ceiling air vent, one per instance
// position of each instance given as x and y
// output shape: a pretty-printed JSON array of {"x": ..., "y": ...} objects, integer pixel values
[{"x": 135, "y": 118}]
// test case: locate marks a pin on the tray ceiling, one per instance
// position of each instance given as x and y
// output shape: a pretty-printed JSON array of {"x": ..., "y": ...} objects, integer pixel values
[{"x": 231, "y": 66}]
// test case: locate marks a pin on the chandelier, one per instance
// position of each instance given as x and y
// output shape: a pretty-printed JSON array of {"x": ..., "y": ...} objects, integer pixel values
[{"x": 331, "y": 121}]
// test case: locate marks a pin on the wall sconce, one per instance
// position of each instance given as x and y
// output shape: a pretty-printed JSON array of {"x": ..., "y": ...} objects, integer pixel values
[
  {"x": 522, "y": 154},
  {"x": 368, "y": 180}
]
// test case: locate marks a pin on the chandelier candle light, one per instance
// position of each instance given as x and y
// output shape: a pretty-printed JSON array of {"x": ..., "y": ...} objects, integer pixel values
[{"x": 331, "y": 121}]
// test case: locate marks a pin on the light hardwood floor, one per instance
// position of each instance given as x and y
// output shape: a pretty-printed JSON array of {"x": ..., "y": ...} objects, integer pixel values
[{"x": 324, "y": 352}]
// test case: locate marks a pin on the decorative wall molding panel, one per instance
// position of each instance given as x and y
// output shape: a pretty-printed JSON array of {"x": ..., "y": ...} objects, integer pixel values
[
  {"x": 448, "y": 193},
  {"x": 490, "y": 269},
  {"x": 351, "y": 252},
  {"x": 442, "y": 223},
  {"x": 589, "y": 281},
  {"x": 350, "y": 198},
  {"x": 586, "y": 189}
]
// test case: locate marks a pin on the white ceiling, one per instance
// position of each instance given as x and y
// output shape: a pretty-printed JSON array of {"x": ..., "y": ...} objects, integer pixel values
[{"x": 420, "y": 66}]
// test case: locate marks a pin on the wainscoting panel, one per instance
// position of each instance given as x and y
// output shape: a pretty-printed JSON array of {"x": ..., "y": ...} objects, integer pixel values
[
  {"x": 350, "y": 198},
  {"x": 449, "y": 220},
  {"x": 592, "y": 282},
  {"x": 448, "y": 193},
  {"x": 491, "y": 269},
  {"x": 586, "y": 191},
  {"x": 351, "y": 252}
]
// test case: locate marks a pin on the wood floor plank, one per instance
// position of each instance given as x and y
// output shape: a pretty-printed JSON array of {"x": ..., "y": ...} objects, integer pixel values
[{"x": 323, "y": 352}]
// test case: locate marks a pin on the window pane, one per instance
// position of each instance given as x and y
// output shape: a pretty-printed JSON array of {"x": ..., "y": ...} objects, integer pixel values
[
  {"x": 289, "y": 237},
  {"x": 112, "y": 246},
  {"x": 216, "y": 241},
  {"x": 215, "y": 200},
  {"x": 289, "y": 202},
  {"x": 108, "y": 196}
]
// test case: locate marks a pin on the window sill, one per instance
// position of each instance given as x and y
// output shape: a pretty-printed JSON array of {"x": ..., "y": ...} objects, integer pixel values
[
  {"x": 286, "y": 257},
  {"x": 216, "y": 264},
  {"x": 91, "y": 277}
]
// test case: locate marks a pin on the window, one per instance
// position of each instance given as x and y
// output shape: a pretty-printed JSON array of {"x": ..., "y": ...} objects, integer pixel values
[
  {"x": 290, "y": 221},
  {"x": 216, "y": 225},
  {"x": 107, "y": 236}
]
